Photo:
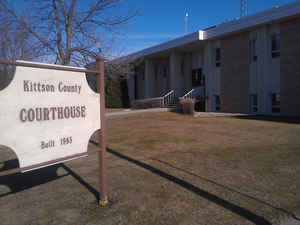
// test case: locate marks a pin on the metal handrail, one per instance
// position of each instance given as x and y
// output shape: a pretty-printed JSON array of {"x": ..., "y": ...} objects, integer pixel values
[
  {"x": 169, "y": 93},
  {"x": 168, "y": 99},
  {"x": 189, "y": 94}
]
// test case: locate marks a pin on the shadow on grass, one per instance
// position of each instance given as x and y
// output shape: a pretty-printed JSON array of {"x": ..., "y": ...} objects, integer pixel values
[
  {"x": 245, "y": 213},
  {"x": 279, "y": 119},
  {"x": 228, "y": 188},
  {"x": 18, "y": 182},
  {"x": 82, "y": 181}
]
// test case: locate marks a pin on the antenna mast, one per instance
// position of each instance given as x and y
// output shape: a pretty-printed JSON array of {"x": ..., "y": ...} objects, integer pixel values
[
  {"x": 186, "y": 17},
  {"x": 244, "y": 8}
]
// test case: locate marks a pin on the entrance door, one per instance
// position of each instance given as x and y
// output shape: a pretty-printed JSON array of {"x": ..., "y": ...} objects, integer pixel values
[{"x": 198, "y": 79}]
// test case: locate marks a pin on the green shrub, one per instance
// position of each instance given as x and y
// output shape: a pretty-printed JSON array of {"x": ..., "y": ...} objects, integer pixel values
[
  {"x": 113, "y": 98},
  {"x": 116, "y": 91}
]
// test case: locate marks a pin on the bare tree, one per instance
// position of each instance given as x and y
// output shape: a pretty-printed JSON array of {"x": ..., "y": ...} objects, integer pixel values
[
  {"x": 71, "y": 31},
  {"x": 15, "y": 44}
]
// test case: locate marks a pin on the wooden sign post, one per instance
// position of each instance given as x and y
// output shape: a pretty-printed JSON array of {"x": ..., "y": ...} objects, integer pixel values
[
  {"x": 49, "y": 113},
  {"x": 102, "y": 134}
]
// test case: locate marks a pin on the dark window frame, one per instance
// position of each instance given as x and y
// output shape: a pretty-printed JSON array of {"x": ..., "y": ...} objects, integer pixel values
[
  {"x": 254, "y": 103},
  {"x": 217, "y": 103},
  {"x": 218, "y": 57},
  {"x": 165, "y": 72},
  {"x": 275, "y": 46},
  {"x": 275, "y": 102},
  {"x": 254, "y": 50},
  {"x": 182, "y": 65},
  {"x": 198, "y": 78},
  {"x": 156, "y": 69}
]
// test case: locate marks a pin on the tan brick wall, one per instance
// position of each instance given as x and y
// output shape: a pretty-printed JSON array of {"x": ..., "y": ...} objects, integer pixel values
[
  {"x": 290, "y": 68},
  {"x": 235, "y": 71}
]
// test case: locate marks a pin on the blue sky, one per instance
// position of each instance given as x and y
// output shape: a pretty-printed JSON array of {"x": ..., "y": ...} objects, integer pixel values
[{"x": 163, "y": 20}]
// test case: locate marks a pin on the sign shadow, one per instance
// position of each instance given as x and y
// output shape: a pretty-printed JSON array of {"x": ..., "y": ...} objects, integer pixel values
[
  {"x": 229, "y": 189},
  {"x": 234, "y": 208},
  {"x": 19, "y": 182}
]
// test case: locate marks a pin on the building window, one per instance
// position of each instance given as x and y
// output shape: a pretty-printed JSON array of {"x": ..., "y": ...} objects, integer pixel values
[
  {"x": 253, "y": 103},
  {"x": 218, "y": 57},
  {"x": 217, "y": 103},
  {"x": 182, "y": 68},
  {"x": 165, "y": 72},
  {"x": 198, "y": 79},
  {"x": 202, "y": 80},
  {"x": 275, "y": 103},
  {"x": 254, "y": 50},
  {"x": 156, "y": 72},
  {"x": 276, "y": 46}
]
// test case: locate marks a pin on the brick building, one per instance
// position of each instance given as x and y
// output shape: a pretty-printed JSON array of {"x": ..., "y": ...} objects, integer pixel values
[{"x": 247, "y": 65}]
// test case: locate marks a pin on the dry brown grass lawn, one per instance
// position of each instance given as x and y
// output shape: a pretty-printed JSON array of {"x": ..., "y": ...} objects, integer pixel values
[{"x": 165, "y": 168}]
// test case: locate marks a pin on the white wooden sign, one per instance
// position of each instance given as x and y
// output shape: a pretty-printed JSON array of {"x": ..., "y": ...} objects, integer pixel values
[{"x": 47, "y": 114}]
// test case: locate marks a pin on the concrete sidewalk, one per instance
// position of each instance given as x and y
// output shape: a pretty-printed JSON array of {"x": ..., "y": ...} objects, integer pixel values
[
  {"x": 129, "y": 111},
  {"x": 216, "y": 114}
]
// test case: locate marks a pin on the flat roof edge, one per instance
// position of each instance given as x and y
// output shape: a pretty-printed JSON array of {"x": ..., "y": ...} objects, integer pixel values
[{"x": 274, "y": 14}]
